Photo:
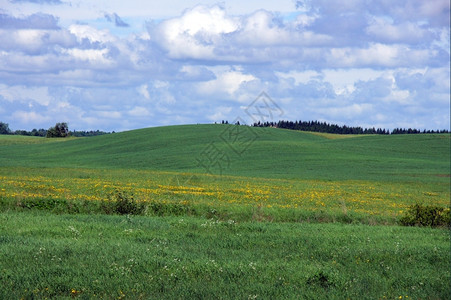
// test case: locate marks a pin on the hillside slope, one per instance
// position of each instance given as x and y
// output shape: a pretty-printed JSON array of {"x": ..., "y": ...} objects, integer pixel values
[{"x": 242, "y": 151}]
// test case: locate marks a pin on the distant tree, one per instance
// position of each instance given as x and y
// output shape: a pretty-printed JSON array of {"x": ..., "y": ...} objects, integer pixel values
[
  {"x": 60, "y": 130},
  {"x": 87, "y": 133},
  {"x": 38, "y": 132},
  {"x": 4, "y": 128},
  {"x": 21, "y": 132}
]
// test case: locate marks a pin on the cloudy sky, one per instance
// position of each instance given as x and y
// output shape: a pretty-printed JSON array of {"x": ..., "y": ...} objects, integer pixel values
[{"x": 120, "y": 65}]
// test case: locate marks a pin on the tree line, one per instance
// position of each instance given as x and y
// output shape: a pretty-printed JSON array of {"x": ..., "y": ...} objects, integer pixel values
[
  {"x": 317, "y": 126},
  {"x": 59, "y": 130}
]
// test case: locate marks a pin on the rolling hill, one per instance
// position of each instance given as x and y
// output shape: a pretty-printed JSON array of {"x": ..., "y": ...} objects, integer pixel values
[
  {"x": 242, "y": 151},
  {"x": 69, "y": 225}
]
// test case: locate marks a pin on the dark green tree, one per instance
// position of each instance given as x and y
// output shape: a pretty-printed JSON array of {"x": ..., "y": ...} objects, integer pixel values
[
  {"x": 60, "y": 130},
  {"x": 4, "y": 128},
  {"x": 38, "y": 132}
]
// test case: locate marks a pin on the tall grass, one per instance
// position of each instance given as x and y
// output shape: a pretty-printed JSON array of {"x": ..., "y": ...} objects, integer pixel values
[{"x": 99, "y": 256}]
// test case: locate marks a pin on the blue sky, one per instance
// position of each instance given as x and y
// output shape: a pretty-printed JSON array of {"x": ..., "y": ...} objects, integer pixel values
[{"x": 121, "y": 65}]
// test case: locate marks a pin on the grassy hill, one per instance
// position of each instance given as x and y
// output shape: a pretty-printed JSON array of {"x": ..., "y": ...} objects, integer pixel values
[
  {"x": 254, "y": 152},
  {"x": 250, "y": 233}
]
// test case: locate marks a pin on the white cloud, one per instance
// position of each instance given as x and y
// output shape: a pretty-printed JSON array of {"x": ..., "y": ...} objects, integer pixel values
[
  {"x": 348, "y": 111},
  {"x": 379, "y": 55},
  {"x": 142, "y": 90},
  {"x": 93, "y": 56},
  {"x": 300, "y": 76},
  {"x": 29, "y": 118},
  {"x": 108, "y": 114},
  {"x": 408, "y": 32},
  {"x": 162, "y": 95},
  {"x": 39, "y": 95},
  {"x": 193, "y": 34},
  {"x": 227, "y": 82},
  {"x": 263, "y": 28},
  {"x": 93, "y": 35},
  {"x": 344, "y": 80},
  {"x": 260, "y": 29},
  {"x": 380, "y": 62},
  {"x": 221, "y": 113},
  {"x": 195, "y": 73},
  {"x": 139, "y": 112}
]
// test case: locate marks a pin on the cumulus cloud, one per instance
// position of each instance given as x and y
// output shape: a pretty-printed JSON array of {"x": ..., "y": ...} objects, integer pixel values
[
  {"x": 35, "y": 41},
  {"x": 194, "y": 34},
  {"x": 327, "y": 38},
  {"x": 372, "y": 63},
  {"x": 34, "y": 21},
  {"x": 91, "y": 34},
  {"x": 208, "y": 33},
  {"x": 226, "y": 82}
]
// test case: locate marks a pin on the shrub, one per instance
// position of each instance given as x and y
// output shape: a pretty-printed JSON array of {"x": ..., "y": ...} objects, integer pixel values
[
  {"x": 426, "y": 215},
  {"x": 125, "y": 204},
  {"x": 42, "y": 203}
]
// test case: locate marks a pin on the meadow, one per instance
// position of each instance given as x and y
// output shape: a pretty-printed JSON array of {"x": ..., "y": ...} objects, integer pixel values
[
  {"x": 135, "y": 257},
  {"x": 241, "y": 198},
  {"x": 255, "y": 212}
]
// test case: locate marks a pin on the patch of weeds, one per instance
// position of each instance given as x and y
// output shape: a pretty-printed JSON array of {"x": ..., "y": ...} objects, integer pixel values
[
  {"x": 123, "y": 203},
  {"x": 320, "y": 279},
  {"x": 212, "y": 214},
  {"x": 159, "y": 208},
  {"x": 426, "y": 215},
  {"x": 260, "y": 216},
  {"x": 42, "y": 204}
]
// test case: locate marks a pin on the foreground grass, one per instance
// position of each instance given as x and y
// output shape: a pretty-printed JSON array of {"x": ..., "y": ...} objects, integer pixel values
[{"x": 65, "y": 256}]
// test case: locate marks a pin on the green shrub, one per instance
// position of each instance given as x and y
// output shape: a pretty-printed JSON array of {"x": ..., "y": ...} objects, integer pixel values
[
  {"x": 42, "y": 203},
  {"x": 125, "y": 204},
  {"x": 426, "y": 215}
]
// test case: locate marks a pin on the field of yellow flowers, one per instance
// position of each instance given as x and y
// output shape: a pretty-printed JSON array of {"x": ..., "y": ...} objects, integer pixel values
[{"x": 348, "y": 197}]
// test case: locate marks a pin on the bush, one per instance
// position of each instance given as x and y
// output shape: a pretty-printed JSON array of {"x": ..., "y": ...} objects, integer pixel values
[
  {"x": 42, "y": 203},
  {"x": 425, "y": 215},
  {"x": 125, "y": 204}
]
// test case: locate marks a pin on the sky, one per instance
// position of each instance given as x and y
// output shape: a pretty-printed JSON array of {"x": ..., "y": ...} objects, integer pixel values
[{"x": 119, "y": 65}]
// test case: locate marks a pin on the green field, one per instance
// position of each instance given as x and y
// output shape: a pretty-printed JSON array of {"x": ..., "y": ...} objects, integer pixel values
[
  {"x": 140, "y": 257},
  {"x": 271, "y": 153},
  {"x": 254, "y": 212}
]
